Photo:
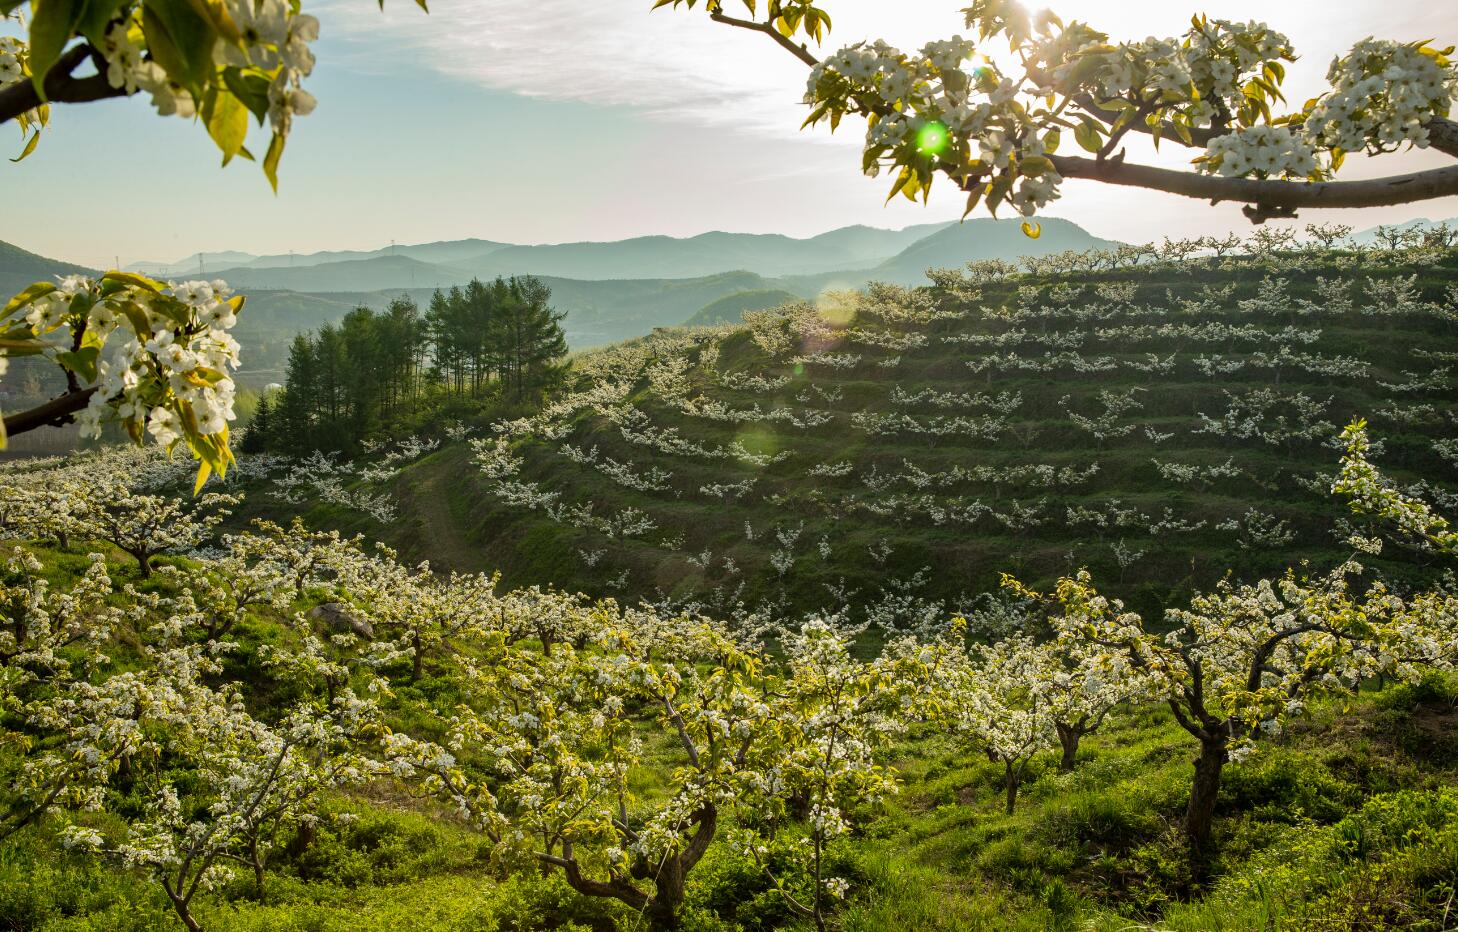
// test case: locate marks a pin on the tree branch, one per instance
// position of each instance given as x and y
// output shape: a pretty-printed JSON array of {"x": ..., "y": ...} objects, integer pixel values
[
  {"x": 1270, "y": 198},
  {"x": 1443, "y": 136},
  {"x": 799, "y": 51},
  {"x": 53, "y": 413},
  {"x": 1267, "y": 198},
  {"x": 61, "y": 87}
]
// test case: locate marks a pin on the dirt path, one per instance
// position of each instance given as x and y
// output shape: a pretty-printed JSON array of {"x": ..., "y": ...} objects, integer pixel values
[{"x": 436, "y": 535}]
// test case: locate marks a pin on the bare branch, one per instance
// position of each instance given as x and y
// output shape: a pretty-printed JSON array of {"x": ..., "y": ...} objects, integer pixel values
[{"x": 799, "y": 51}]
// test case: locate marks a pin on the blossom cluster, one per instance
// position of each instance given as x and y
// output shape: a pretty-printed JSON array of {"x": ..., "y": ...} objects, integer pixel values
[
  {"x": 1383, "y": 94},
  {"x": 159, "y": 356}
]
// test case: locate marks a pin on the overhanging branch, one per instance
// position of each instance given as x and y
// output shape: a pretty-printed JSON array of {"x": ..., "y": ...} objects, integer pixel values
[
  {"x": 1267, "y": 198},
  {"x": 53, "y": 413},
  {"x": 1269, "y": 195},
  {"x": 61, "y": 86}
]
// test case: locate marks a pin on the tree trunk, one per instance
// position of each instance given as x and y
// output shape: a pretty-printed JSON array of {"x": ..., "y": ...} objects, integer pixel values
[
  {"x": 662, "y": 910},
  {"x": 1011, "y": 779},
  {"x": 1068, "y": 738},
  {"x": 255, "y": 860},
  {"x": 144, "y": 564},
  {"x": 1204, "y": 792},
  {"x": 179, "y": 904},
  {"x": 417, "y": 660}
]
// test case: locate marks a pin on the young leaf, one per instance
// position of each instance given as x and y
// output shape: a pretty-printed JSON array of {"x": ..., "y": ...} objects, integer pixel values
[
  {"x": 270, "y": 160},
  {"x": 227, "y": 122},
  {"x": 29, "y": 146},
  {"x": 25, "y": 297}
]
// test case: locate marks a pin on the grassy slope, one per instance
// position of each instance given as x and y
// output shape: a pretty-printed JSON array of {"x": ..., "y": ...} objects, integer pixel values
[{"x": 965, "y": 559}]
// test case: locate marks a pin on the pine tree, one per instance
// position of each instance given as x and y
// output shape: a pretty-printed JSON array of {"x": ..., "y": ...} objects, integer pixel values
[
  {"x": 259, "y": 436},
  {"x": 528, "y": 337}
]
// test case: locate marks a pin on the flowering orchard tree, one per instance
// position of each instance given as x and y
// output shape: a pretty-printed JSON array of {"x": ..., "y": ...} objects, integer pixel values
[
  {"x": 1246, "y": 658},
  {"x": 833, "y": 713},
  {"x": 420, "y": 611},
  {"x": 545, "y": 751},
  {"x": 247, "y": 782},
  {"x": 1078, "y": 682},
  {"x": 1368, "y": 492},
  {"x": 49, "y": 646},
  {"x": 950, "y": 109},
  {"x": 299, "y": 556},
  {"x": 147, "y": 525},
  {"x": 990, "y": 698}
]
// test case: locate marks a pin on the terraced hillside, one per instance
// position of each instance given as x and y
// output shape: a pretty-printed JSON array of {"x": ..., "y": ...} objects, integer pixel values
[{"x": 1157, "y": 422}]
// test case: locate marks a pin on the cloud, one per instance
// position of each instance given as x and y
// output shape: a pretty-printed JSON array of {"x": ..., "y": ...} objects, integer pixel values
[{"x": 670, "y": 64}]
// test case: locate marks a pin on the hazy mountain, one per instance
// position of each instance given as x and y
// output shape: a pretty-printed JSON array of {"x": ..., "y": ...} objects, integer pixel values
[
  {"x": 609, "y": 291},
  {"x": 350, "y": 275},
  {"x": 982, "y": 238},
  {"x": 730, "y": 308},
  {"x": 846, "y": 257},
  {"x": 601, "y": 312},
  {"x": 705, "y": 254},
  {"x": 1369, "y": 235},
  {"x": 20, "y": 269},
  {"x": 213, "y": 263}
]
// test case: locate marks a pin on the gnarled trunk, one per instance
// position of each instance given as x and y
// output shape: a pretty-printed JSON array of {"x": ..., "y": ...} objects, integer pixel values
[
  {"x": 1204, "y": 793},
  {"x": 1068, "y": 739}
]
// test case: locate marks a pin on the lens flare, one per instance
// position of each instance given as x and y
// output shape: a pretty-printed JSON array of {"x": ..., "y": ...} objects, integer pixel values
[{"x": 932, "y": 138}]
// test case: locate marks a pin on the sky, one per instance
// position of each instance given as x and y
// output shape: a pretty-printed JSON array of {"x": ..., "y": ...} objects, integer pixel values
[{"x": 534, "y": 121}]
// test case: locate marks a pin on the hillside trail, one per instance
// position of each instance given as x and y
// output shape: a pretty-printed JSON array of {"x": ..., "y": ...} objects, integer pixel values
[{"x": 439, "y": 537}]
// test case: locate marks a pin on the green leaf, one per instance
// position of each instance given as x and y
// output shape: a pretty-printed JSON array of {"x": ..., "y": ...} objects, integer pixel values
[
  {"x": 189, "y": 60},
  {"x": 138, "y": 319},
  {"x": 972, "y": 199},
  {"x": 204, "y": 469},
  {"x": 96, "y": 17},
  {"x": 52, "y": 24},
  {"x": 82, "y": 362},
  {"x": 1035, "y": 165},
  {"x": 25, "y": 297},
  {"x": 131, "y": 278},
  {"x": 1088, "y": 138},
  {"x": 227, "y": 121},
  {"x": 251, "y": 89},
  {"x": 217, "y": 16},
  {"x": 270, "y": 160}
]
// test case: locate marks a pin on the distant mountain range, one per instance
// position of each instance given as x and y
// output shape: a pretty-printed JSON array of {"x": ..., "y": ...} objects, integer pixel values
[
  {"x": 610, "y": 291},
  {"x": 20, "y": 269},
  {"x": 855, "y": 252}
]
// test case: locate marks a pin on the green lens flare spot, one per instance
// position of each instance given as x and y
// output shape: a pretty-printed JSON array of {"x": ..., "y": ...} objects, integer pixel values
[{"x": 932, "y": 139}]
